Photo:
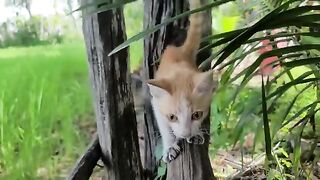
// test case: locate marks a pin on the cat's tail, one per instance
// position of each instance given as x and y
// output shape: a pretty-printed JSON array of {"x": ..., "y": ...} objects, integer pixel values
[{"x": 192, "y": 42}]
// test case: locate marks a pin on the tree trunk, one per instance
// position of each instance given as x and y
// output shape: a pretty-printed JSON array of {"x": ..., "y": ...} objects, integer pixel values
[
  {"x": 155, "y": 11},
  {"x": 115, "y": 116},
  {"x": 28, "y": 7},
  {"x": 193, "y": 163},
  {"x": 87, "y": 162}
]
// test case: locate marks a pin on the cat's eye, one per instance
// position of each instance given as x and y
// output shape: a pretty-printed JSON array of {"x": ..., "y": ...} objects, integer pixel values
[
  {"x": 172, "y": 117},
  {"x": 197, "y": 115}
]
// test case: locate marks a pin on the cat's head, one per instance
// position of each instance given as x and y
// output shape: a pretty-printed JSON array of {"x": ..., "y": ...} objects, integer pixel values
[{"x": 183, "y": 101}]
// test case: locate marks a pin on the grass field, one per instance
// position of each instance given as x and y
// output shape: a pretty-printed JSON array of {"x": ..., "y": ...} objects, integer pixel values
[
  {"x": 45, "y": 106},
  {"x": 44, "y": 102}
]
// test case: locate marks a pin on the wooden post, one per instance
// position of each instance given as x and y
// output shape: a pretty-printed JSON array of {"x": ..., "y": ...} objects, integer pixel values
[
  {"x": 114, "y": 110},
  {"x": 194, "y": 162},
  {"x": 155, "y": 11},
  {"x": 87, "y": 162}
]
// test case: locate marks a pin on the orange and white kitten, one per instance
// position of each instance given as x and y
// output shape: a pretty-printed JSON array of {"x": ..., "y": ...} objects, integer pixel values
[{"x": 181, "y": 94}]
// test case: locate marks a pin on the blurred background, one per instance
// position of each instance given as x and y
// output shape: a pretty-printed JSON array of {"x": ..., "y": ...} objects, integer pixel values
[{"x": 46, "y": 113}]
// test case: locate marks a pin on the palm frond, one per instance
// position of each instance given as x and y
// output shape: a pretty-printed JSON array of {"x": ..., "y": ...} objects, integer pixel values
[
  {"x": 100, "y": 6},
  {"x": 271, "y": 4}
]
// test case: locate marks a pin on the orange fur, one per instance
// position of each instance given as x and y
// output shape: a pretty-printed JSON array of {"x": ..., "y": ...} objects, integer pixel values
[
  {"x": 178, "y": 73},
  {"x": 179, "y": 90}
]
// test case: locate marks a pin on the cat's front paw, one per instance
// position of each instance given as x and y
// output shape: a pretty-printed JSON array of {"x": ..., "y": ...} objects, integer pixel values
[
  {"x": 197, "y": 139},
  {"x": 172, "y": 153}
]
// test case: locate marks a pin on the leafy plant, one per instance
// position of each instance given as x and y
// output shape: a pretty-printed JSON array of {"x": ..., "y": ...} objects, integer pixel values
[{"x": 33, "y": 31}]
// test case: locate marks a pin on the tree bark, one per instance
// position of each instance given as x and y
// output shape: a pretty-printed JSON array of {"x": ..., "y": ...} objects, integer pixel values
[
  {"x": 114, "y": 110},
  {"x": 193, "y": 163},
  {"x": 155, "y": 12},
  {"x": 86, "y": 163}
]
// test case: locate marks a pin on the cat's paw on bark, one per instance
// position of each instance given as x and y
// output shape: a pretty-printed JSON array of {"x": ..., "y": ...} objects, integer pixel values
[
  {"x": 172, "y": 153},
  {"x": 197, "y": 139}
]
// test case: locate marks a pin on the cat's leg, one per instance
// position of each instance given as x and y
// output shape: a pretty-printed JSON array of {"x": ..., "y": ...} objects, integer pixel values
[
  {"x": 171, "y": 148},
  {"x": 197, "y": 136},
  {"x": 197, "y": 139}
]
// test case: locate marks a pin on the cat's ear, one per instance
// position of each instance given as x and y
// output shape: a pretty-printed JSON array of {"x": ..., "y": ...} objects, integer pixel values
[
  {"x": 205, "y": 83},
  {"x": 159, "y": 88}
]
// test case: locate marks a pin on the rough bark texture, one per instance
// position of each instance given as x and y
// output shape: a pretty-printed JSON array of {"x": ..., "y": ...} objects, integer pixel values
[
  {"x": 194, "y": 162},
  {"x": 155, "y": 11},
  {"x": 114, "y": 108},
  {"x": 86, "y": 163}
]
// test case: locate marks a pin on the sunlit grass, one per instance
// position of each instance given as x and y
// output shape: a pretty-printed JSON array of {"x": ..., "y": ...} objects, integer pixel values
[
  {"x": 45, "y": 101},
  {"x": 134, "y": 25},
  {"x": 44, "y": 97}
]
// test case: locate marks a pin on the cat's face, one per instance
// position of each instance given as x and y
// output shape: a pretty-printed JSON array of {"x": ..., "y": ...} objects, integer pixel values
[
  {"x": 184, "y": 114},
  {"x": 184, "y": 103}
]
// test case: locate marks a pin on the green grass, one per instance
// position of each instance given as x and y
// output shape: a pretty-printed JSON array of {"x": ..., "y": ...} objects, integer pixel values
[
  {"x": 134, "y": 25},
  {"x": 44, "y": 99},
  {"x": 45, "y": 105}
]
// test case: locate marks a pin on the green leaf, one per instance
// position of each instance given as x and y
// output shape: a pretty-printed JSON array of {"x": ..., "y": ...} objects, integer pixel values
[
  {"x": 302, "y": 62},
  {"x": 245, "y": 117},
  {"x": 293, "y": 13},
  {"x": 233, "y": 33},
  {"x": 100, "y": 6},
  {"x": 243, "y": 37},
  {"x": 302, "y": 110},
  {"x": 278, "y": 52},
  {"x": 88, "y": 5},
  {"x": 226, "y": 75},
  {"x": 289, "y": 74},
  {"x": 282, "y": 151},
  {"x": 284, "y": 34},
  {"x": 217, "y": 43},
  {"x": 162, "y": 170},
  {"x": 268, "y": 85},
  {"x": 297, "y": 150},
  {"x": 258, "y": 135},
  {"x": 289, "y": 107},
  {"x": 285, "y": 87},
  {"x": 265, "y": 119},
  {"x": 165, "y": 22},
  {"x": 243, "y": 121},
  {"x": 286, "y": 163},
  {"x": 306, "y": 21},
  {"x": 243, "y": 55},
  {"x": 104, "y": 8},
  {"x": 243, "y": 72}
]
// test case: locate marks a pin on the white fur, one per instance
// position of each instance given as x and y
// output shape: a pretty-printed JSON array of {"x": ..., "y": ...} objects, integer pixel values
[
  {"x": 172, "y": 132},
  {"x": 168, "y": 139}
]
